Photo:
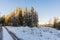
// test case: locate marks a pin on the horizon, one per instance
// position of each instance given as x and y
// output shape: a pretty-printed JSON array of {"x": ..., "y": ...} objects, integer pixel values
[{"x": 47, "y": 9}]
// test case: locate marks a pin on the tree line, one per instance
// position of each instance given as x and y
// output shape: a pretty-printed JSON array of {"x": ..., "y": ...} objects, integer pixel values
[{"x": 20, "y": 17}]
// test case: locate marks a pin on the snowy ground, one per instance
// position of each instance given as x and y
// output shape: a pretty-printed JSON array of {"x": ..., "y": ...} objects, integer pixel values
[{"x": 35, "y": 33}]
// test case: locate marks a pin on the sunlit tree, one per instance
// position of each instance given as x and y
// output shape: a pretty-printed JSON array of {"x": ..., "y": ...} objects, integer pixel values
[{"x": 55, "y": 22}]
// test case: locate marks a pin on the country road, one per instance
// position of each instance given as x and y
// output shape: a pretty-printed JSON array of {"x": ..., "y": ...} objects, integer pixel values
[
  {"x": 1, "y": 33},
  {"x": 10, "y": 34},
  {"x": 14, "y": 37}
]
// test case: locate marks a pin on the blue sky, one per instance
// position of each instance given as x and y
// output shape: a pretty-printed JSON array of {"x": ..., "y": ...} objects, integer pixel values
[{"x": 47, "y": 9}]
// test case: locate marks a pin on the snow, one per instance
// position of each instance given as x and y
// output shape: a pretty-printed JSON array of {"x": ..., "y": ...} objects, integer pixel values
[
  {"x": 6, "y": 36},
  {"x": 34, "y": 33}
]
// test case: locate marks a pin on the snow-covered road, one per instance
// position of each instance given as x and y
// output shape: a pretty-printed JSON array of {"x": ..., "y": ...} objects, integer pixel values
[
  {"x": 1, "y": 33},
  {"x": 35, "y": 33}
]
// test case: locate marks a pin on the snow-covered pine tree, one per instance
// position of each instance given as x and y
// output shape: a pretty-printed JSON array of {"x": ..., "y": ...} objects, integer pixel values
[
  {"x": 34, "y": 17},
  {"x": 20, "y": 17},
  {"x": 26, "y": 17}
]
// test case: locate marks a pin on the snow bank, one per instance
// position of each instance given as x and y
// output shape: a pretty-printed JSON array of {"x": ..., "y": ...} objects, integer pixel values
[{"x": 36, "y": 33}]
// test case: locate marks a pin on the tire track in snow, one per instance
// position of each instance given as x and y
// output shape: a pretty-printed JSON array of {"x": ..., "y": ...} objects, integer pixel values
[
  {"x": 1, "y": 36},
  {"x": 12, "y": 35}
]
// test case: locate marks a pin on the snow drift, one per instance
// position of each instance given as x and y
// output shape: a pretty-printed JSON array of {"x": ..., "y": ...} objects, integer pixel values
[{"x": 34, "y": 33}]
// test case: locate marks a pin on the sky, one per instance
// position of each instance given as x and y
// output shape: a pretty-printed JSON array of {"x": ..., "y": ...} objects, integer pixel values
[{"x": 47, "y": 9}]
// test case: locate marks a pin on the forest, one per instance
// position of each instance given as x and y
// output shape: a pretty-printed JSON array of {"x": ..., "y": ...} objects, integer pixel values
[{"x": 20, "y": 17}]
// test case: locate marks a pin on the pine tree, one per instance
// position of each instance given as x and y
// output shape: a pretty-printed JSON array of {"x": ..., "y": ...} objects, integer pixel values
[
  {"x": 20, "y": 17},
  {"x": 26, "y": 17},
  {"x": 3, "y": 21},
  {"x": 34, "y": 17}
]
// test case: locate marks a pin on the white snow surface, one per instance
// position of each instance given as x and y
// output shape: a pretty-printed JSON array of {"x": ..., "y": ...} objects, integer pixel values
[{"x": 34, "y": 33}]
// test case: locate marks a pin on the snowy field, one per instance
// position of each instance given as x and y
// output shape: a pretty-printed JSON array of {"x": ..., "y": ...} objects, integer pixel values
[{"x": 35, "y": 33}]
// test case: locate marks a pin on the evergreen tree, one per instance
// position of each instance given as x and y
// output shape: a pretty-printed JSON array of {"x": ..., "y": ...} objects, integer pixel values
[
  {"x": 20, "y": 17},
  {"x": 3, "y": 21},
  {"x": 35, "y": 19},
  {"x": 26, "y": 17}
]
